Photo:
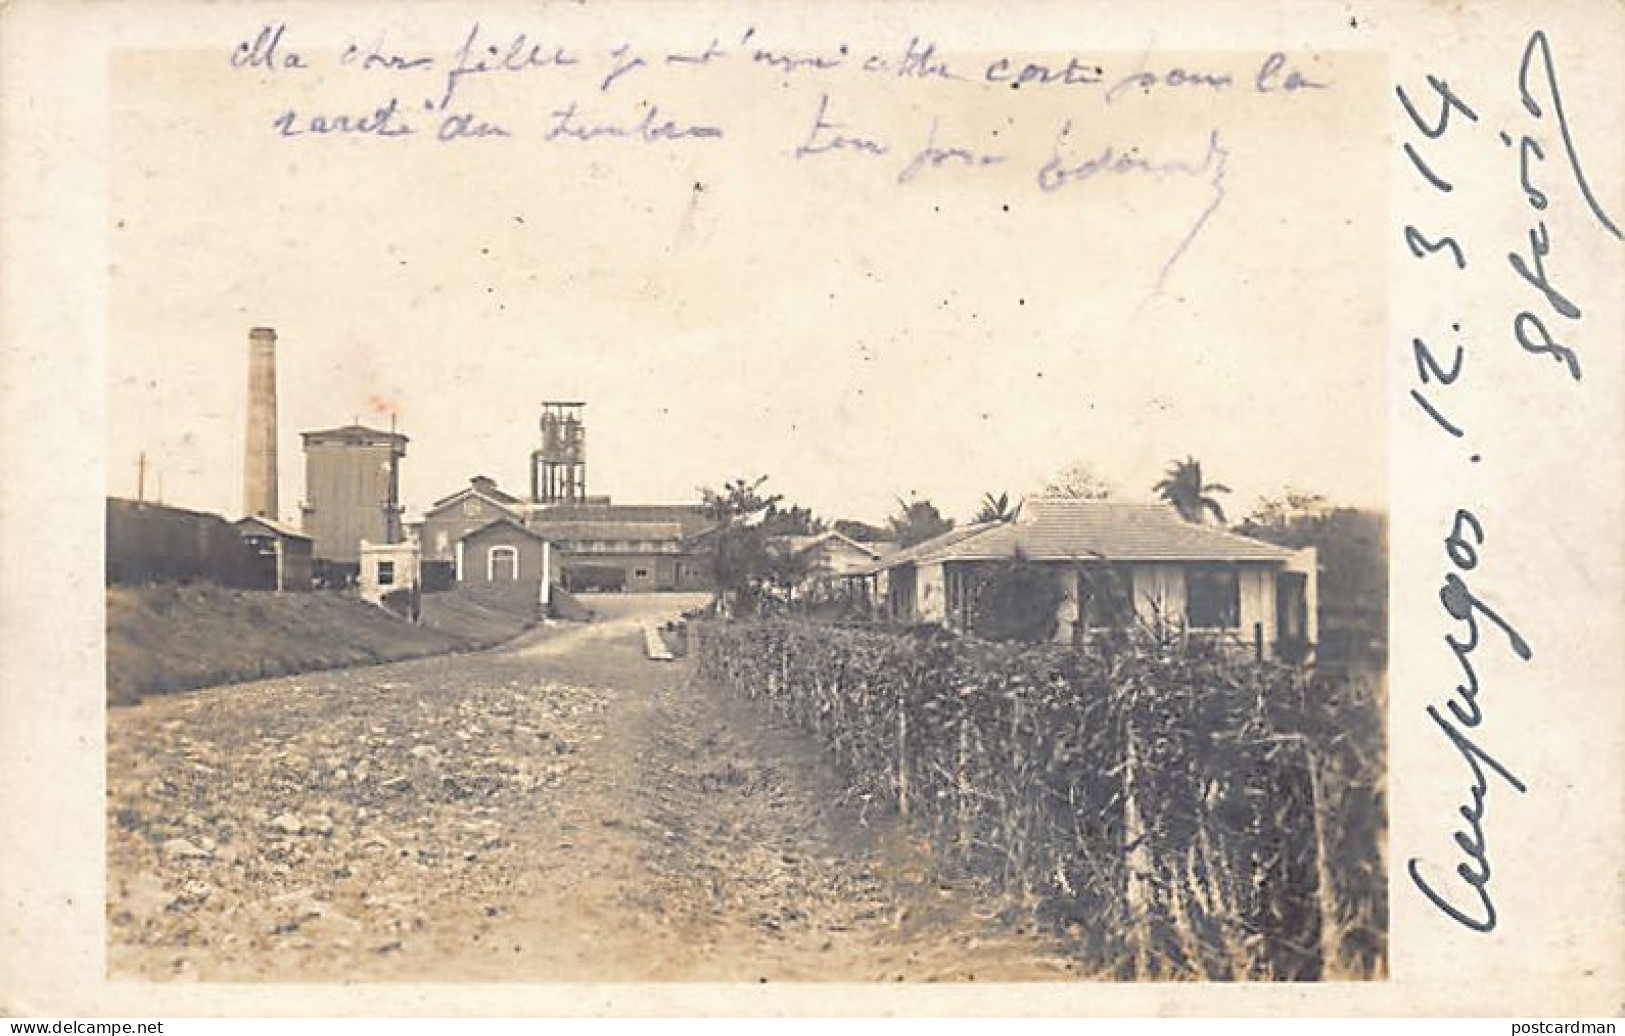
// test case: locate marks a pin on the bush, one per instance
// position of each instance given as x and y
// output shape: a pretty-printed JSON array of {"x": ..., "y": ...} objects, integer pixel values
[
  {"x": 1016, "y": 600},
  {"x": 1161, "y": 804}
]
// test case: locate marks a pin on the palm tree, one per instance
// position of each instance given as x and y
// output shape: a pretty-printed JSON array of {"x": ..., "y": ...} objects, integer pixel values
[
  {"x": 995, "y": 509},
  {"x": 1183, "y": 487}
]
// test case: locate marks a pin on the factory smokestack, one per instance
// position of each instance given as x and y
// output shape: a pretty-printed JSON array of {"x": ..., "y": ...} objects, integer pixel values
[{"x": 259, "y": 458}]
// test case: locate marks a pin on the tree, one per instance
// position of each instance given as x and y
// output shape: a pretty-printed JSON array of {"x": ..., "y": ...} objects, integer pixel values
[
  {"x": 1352, "y": 555},
  {"x": 791, "y": 521},
  {"x": 736, "y": 499},
  {"x": 917, "y": 521},
  {"x": 996, "y": 509},
  {"x": 1078, "y": 481},
  {"x": 860, "y": 532},
  {"x": 749, "y": 557},
  {"x": 739, "y": 550},
  {"x": 1294, "y": 509},
  {"x": 1017, "y": 600},
  {"x": 1182, "y": 486}
]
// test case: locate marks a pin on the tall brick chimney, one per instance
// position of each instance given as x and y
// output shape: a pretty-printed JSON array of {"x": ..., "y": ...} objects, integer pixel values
[{"x": 259, "y": 458}]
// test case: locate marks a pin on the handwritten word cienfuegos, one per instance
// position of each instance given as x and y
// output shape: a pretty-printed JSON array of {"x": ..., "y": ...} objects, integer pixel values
[
  {"x": 600, "y": 97},
  {"x": 1544, "y": 320}
]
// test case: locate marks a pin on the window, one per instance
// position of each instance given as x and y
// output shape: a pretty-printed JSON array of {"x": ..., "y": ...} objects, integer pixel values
[
  {"x": 386, "y": 573},
  {"x": 641, "y": 573},
  {"x": 1212, "y": 597}
]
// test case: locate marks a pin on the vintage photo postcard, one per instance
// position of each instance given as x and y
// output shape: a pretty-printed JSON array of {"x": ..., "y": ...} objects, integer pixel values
[{"x": 626, "y": 508}]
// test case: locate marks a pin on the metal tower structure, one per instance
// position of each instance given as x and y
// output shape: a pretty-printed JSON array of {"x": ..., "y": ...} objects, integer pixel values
[{"x": 558, "y": 470}]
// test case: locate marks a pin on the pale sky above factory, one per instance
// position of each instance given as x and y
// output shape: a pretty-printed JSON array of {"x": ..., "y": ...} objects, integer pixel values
[{"x": 726, "y": 309}]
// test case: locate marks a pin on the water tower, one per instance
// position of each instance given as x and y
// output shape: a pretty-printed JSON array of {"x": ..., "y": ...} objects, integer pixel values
[{"x": 558, "y": 471}]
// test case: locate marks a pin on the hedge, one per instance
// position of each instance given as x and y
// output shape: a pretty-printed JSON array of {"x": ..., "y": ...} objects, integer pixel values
[{"x": 1163, "y": 804}]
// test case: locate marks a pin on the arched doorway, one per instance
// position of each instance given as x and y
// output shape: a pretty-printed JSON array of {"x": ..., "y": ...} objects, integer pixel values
[{"x": 502, "y": 565}]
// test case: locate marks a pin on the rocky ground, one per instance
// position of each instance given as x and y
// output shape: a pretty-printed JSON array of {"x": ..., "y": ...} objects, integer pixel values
[{"x": 560, "y": 809}]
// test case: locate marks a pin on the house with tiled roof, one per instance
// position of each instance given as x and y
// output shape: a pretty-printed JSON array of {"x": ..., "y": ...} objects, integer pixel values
[{"x": 1114, "y": 563}]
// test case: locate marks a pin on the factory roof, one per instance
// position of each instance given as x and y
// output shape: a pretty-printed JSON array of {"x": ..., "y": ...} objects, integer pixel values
[
  {"x": 690, "y": 516},
  {"x": 579, "y": 531}
]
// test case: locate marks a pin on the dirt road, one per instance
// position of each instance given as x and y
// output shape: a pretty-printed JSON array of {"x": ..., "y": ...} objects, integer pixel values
[{"x": 561, "y": 809}]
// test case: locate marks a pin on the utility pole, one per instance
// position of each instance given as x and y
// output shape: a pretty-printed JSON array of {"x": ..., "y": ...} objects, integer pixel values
[{"x": 141, "y": 478}]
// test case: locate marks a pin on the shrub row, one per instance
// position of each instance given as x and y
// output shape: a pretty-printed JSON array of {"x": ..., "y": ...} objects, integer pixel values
[{"x": 1157, "y": 803}]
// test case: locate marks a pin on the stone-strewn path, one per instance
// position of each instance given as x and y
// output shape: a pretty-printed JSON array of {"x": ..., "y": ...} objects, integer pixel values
[{"x": 560, "y": 810}]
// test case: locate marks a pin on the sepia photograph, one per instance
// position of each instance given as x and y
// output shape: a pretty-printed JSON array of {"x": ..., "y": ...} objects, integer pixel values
[
  {"x": 737, "y": 507},
  {"x": 600, "y": 508}
]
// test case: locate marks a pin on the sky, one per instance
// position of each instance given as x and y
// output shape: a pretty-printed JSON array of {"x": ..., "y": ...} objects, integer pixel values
[{"x": 726, "y": 308}]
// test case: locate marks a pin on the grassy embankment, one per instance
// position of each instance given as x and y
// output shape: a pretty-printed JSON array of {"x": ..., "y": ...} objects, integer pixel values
[{"x": 166, "y": 639}]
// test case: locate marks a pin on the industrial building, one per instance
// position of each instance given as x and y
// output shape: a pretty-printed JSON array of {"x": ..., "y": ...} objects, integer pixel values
[
  {"x": 155, "y": 544},
  {"x": 352, "y": 493},
  {"x": 352, "y": 533},
  {"x": 558, "y": 468},
  {"x": 150, "y": 543},
  {"x": 601, "y": 545},
  {"x": 451, "y": 517}
]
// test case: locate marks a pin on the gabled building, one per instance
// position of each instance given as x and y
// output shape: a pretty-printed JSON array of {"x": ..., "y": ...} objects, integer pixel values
[
  {"x": 505, "y": 551},
  {"x": 448, "y": 519},
  {"x": 1114, "y": 563},
  {"x": 831, "y": 555},
  {"x": 600, "y": 545}
]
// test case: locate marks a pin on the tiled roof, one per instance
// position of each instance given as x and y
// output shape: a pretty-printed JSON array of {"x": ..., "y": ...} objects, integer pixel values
[
  {"x": 1065, "y": 530},
  {"x": 905, "y": 555}
]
